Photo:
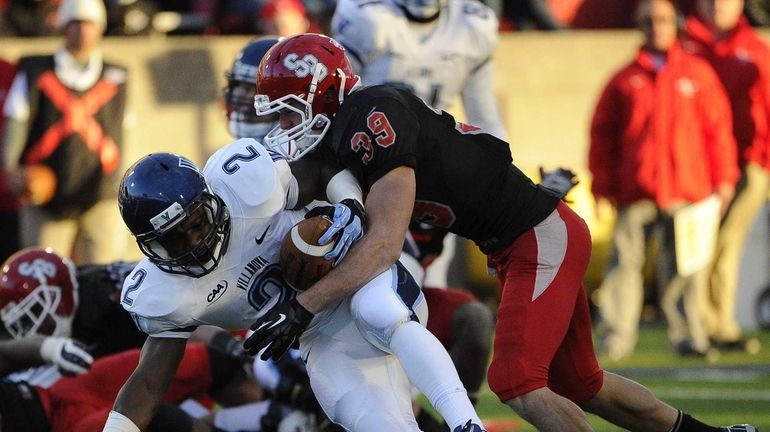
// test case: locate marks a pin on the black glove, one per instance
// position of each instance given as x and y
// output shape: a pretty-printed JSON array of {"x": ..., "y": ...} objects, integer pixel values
[
  {"x": 278, "y": 329},
  {"x": 348, "y": 219},
  {"x": 559, "y": 181}
]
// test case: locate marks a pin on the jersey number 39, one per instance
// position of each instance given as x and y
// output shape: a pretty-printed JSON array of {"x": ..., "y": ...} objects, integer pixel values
[{"x": 379, "y": 129}]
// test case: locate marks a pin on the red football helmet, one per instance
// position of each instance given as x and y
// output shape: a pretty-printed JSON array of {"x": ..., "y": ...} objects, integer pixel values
[
  {"x": 310, "y": 75},
  {"x": 38, "y": 293}
]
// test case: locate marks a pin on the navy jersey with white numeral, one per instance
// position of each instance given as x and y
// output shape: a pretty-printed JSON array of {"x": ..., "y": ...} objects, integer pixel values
[{"x": 466, "y": 181}]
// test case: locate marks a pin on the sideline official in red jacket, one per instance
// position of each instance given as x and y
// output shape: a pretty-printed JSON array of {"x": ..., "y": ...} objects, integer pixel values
[
  {"x": 661, "y": 138},
  {"x": 720, "y": 34}
]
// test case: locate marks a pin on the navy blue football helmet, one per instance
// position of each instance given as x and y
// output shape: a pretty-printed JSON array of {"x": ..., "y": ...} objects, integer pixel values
[
  {"x": 179, "y": 224},
  {"x": 242, "y": 119}
]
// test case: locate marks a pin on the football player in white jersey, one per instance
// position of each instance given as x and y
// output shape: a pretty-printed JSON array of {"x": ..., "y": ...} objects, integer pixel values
[
  {"x": 211, "y": 239},
  {"x": 239, "y": 95},
  {"x": 438, "y": 49}
]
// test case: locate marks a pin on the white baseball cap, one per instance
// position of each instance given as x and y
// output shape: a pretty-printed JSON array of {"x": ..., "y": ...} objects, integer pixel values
[{"x": 82, "y": 10}]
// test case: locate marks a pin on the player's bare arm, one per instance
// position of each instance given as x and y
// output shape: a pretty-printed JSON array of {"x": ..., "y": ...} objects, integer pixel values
[
  {"x": 312, "y": 174},
  {"x": 144, "y": 389},
  {"x": 16, "y": 354},
  {"x": 389, "y": 209},
  {"x": 68, "y": 355}
]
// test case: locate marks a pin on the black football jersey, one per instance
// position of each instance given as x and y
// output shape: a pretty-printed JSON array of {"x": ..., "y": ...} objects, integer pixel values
[
  {"x": 466, "y": 181},
  {"x": 100, "y": 321}
]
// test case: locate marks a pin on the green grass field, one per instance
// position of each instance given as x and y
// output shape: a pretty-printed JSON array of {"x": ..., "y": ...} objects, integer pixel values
[{"x": 733, "y": 389}]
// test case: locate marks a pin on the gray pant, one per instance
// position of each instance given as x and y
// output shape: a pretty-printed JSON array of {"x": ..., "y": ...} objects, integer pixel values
[{"x": 621, "y": 294}]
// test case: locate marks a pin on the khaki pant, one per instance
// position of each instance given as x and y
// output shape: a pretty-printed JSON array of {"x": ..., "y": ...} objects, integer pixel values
[
  {"x": 98, "y": 236},
  {"x": 751, "y": 195},
  {"x": 621, "y": 294}
]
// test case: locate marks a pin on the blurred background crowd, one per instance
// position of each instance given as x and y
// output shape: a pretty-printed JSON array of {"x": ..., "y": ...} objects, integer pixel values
[{"x": 30, "y": 18}]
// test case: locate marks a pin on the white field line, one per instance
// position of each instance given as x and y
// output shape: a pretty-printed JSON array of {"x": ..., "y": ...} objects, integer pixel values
[{"x": 711, "y": 394}]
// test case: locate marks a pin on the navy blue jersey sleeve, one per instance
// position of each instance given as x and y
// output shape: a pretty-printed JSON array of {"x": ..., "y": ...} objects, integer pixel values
[{"x": 376, "y": 136}]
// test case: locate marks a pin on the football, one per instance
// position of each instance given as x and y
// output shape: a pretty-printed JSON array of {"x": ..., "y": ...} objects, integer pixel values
[{"x": 301, "y": 257}]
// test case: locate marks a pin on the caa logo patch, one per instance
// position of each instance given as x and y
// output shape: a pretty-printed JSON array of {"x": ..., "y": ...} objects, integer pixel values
[
  {"x": 304, "y": 66},
  {"x": 217, "y": 292}
]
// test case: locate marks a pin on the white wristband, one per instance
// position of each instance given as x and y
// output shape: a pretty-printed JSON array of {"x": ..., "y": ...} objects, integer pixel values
[
  {"x": 117, "y": 422},
  {"x": 50, "y": 348},
  {"x": 343, "y": 186}
]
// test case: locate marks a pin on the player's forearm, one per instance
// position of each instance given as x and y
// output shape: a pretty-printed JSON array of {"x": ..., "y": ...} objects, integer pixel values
[
  {"x": 389, "y": 208},
  {"x": 144, "y": 389},
  {"x": 137, "y": 401},
  {"x": 17, "y": 354},
  {"x": 480, "y": 102},
  {"x": 365, "y": 260}
]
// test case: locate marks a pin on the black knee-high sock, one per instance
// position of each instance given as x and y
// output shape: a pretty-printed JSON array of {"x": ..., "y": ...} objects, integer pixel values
[
  {"x": 428, "y": 423},
  {"x": 685, "y": 423}
]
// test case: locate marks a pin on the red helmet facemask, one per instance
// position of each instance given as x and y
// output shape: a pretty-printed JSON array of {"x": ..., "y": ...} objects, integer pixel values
[
  {"x": 38, "y": 293},
  {"x": 308, "y": 75}
]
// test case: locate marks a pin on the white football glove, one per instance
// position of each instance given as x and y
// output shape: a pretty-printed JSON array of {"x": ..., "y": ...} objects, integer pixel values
[
  {"x": 67, "y": 354},
  {"x": 348, "y": 219}
]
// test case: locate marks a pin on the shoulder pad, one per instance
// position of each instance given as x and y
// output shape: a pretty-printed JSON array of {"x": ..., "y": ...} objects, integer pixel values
[
  {"x": 481, "y": 23},
  {"x": 360, "y": 26},
  {"x": 153, "y": 297},
  {"x": 245, "y": 176}
]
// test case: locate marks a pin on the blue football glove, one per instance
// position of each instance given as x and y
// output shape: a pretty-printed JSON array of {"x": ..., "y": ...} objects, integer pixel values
[{"x": 348, "y": 220}]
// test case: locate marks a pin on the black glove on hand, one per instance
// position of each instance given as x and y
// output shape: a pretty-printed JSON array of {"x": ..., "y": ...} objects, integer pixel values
[
  {"x": 278, "y": 329},
  {"x": 559, "y": 181},
  {"x": 348, "y": 219}
]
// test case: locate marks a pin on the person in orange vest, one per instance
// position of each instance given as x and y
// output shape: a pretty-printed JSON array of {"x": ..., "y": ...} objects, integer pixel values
[{"x": 64, "y": 118}]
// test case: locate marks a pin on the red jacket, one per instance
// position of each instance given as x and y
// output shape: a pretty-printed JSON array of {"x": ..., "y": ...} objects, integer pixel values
[
  {"x": 741, "y": 59},
  {"x": 663, "y": 135}
]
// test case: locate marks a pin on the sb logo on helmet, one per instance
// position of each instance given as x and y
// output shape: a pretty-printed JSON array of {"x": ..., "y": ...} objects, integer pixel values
[
  {"x": 304, "y": 66},
  {"x": 38, "y": 268}
]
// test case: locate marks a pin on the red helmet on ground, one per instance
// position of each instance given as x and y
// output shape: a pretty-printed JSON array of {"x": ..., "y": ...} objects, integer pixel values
[
  {"x": 310, "y": 75},
  {"x": 38, "y": 293}
]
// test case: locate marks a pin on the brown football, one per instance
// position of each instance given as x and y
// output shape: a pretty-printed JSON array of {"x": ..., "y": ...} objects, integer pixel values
[{"x": 301, "y": 258}]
